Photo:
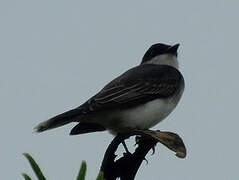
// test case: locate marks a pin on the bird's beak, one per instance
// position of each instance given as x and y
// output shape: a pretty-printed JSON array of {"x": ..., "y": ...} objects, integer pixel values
[{"x": 173, "y": 49}]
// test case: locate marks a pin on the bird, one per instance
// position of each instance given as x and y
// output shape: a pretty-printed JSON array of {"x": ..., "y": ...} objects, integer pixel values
[{"x": 138, "y": 99}]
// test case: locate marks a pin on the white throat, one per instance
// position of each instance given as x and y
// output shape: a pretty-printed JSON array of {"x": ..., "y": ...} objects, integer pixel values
[{"x": 165, "y": 59}]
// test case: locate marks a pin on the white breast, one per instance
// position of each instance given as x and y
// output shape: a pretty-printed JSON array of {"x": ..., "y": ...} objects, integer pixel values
[{"x": 147, "y": 115}]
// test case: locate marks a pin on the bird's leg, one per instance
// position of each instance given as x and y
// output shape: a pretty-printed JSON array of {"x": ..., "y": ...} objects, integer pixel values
[
  {"x": 125, "y": 147},
  {"x": 140, "y": 139}
]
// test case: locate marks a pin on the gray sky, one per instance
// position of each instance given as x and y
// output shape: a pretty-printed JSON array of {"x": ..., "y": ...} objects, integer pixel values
[{"x": 56, "y": 54}]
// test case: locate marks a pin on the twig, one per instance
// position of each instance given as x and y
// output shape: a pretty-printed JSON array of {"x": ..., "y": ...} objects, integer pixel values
[{"x": 127, "y": 166}]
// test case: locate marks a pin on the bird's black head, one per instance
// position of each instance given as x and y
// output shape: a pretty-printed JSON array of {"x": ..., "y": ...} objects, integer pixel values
[{"x": 159, "y": 49}]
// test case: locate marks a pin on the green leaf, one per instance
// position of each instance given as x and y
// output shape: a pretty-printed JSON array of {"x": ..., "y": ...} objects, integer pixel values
[
  {"x": 26, "y": 177},
  {"x": 82, "y": 172},
  {"x": 35, "y": 167},
  {"x": 100, "y": 176}
]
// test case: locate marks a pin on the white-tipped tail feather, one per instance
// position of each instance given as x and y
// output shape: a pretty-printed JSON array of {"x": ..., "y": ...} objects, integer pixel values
[
  {"x": 58, "y": 121},
  {"x": 50, "y": 124},
  {"x": 41, "y": 127}
]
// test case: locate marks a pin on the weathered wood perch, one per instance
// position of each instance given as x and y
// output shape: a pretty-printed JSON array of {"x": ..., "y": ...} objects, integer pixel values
[{"x": 127, "y": 166}]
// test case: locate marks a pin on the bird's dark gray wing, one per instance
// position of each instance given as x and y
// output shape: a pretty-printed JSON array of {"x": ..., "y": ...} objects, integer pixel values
[{"x": 138, "y": 85}]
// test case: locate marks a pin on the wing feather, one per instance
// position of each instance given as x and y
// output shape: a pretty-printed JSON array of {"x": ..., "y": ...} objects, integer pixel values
[{"x": 138, "y": 85}]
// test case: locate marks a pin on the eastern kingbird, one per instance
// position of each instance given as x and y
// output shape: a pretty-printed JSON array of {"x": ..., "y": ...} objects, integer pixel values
[{"x": 136, "y": 100}]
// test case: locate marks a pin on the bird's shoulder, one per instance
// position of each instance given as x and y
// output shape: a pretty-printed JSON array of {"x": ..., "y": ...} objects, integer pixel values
[{"x": 146, "y": 73}]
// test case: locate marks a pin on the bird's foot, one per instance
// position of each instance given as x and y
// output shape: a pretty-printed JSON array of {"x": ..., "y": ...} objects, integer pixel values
[{"x": 126, "y": 148}]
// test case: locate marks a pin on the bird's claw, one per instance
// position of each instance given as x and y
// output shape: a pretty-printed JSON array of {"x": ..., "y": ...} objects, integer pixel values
[
  {"x": 137, "y": 140},
  {"x": 153, "y": 149},
  {"x": 147, "y": 162}
]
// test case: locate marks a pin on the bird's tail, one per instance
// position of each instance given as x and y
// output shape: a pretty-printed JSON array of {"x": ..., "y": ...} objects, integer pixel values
[{"x": 58, "y": 120}]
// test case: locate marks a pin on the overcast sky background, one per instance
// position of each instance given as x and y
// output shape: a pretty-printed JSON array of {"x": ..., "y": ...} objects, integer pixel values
[{"x": 56, "y": 54}]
